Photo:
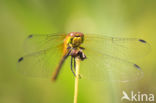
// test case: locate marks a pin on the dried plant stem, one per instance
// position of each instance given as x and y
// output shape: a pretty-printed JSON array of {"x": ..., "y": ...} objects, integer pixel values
[{"x": 76, "y": 79}]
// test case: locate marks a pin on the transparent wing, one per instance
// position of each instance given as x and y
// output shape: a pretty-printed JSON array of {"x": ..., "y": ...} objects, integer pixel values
[
  {"x": 99, "y": 66},
  {"x": 125, "y": 48},
  {"x": 43, "y": 53},
  {"x": 38, "y": 42},
  {"x": 107, "y": 58}
]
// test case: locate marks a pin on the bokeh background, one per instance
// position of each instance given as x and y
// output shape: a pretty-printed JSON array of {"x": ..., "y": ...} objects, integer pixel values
[{"x": 124, "y": 18}]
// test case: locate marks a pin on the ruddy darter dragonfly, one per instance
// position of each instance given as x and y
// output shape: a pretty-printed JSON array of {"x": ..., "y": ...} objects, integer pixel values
[{"x": 102, "y": 57}]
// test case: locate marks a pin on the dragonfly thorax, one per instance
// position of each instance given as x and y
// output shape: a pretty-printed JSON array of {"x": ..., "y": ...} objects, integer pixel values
[
  {"x": 74, "y": 41},
  {"x": 78, "y": 53}
]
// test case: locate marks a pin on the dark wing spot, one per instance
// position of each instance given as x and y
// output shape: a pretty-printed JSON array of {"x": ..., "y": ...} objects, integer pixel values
[
  {"x": 20, "y": 59},
  {"x": 137, "y": 66},
  {"x": 30, "y": 36},
  {"x": 143, "y": 41}
]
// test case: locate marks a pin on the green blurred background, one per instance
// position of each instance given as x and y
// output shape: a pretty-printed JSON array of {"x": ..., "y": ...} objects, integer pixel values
[{"x": 124, "y": 18}]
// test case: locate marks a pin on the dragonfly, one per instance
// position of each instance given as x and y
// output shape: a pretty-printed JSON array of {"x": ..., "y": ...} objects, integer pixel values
[{"x": 102, "y": 57}]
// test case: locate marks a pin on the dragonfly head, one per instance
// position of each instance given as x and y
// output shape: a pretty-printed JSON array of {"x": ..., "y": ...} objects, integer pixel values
[{"x": 76, "y": 39}]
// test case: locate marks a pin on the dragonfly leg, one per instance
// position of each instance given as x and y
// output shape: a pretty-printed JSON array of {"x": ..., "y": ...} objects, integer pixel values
[
  {"x": 82, "y": 48},
  {"x": 71, "y": 66}
]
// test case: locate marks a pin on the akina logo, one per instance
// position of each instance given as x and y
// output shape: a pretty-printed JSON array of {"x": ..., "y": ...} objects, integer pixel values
[{"x": 137, "y": 96}]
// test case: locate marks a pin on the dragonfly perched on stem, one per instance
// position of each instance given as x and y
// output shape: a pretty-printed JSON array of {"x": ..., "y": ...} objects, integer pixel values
[{"x": 101, "y": 56}]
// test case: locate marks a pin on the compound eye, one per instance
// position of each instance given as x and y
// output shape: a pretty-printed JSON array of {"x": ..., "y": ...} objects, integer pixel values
[
  {"x": 77, "y": 35},
  {"x": 70, "y": 40}
]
